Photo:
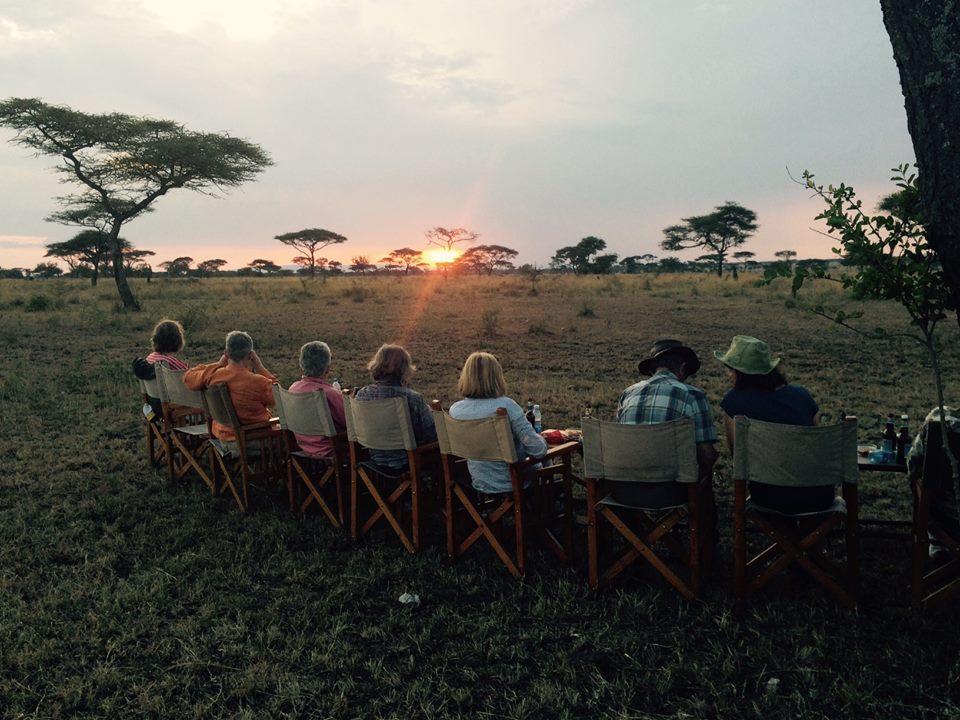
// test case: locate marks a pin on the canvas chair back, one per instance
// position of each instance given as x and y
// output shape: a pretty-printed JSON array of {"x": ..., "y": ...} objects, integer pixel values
[
  {"x": 489, "y": 439},
  {"x": 664, "y": 452},
  {"x": 380, "y": 424},
  {"x": 304, "y": 413},
  {"x": 220, "y": 406},
  {"x": 151, "y": 388},
  {"x": 795, "y": 456},
  {"x": 936, "y": 465},
  {"x": 174, "y": 391}
]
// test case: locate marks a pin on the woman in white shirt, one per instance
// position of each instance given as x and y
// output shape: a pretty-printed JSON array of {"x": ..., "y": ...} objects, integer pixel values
[{"x": 484, "y": 390}]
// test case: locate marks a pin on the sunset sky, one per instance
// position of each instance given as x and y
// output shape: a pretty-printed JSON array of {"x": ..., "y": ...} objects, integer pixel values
[{"x": 532, "y": 122}]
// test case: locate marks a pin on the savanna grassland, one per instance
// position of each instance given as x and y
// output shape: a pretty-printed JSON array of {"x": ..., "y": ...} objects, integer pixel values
[{"x": 124, "y": 596}]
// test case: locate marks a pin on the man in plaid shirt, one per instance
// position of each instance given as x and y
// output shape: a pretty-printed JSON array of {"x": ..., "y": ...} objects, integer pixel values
[{"x": 665, "y": 396}]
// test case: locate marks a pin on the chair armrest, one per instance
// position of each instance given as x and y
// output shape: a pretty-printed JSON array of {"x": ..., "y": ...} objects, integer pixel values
[
  {"x": 425, "y": 449},
  {"x": 554, "y": 452}
]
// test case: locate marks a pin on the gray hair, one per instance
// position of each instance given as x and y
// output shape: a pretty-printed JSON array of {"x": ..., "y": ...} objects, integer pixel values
[
  {"x": 314, "y": 358},
  {"x": 238, "y": 346}
]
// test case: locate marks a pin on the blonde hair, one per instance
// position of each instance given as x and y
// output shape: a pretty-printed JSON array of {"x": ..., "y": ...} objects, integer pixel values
[
  {"x": 482, "y": 377},
  {"x": 391, "y": 363}
]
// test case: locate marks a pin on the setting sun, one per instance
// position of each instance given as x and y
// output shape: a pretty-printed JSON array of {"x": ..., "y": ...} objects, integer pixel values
[{"x": 440, "y": 256}]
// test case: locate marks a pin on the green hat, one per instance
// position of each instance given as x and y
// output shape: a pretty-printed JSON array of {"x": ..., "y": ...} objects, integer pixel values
[{"x": 748, "y": 355}]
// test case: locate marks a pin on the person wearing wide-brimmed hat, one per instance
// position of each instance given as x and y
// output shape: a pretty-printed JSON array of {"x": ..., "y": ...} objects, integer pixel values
[
  {"x": 761, "y": 392},
  {"x": 665, "y": 396}
]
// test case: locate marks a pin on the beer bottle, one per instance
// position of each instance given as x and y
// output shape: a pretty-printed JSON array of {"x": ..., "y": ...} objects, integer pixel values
[
  {"x": 889, "y": 439},
  {"x": 530, "y": 418},
  {"x": 903, "y": 440},
  {"x": 537, "y": 419}
]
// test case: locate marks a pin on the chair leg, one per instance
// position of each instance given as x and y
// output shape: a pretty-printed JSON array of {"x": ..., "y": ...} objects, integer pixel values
[
  {"x": 518, "y": 529},
  {"x": 921, "y": 544},
  {"x": 593, "y": 540},
  {"x": 739, "y": 543}
]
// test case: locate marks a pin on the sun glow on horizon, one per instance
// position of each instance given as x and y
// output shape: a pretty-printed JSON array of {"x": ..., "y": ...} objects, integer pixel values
[{"x": 440, "y": 256}]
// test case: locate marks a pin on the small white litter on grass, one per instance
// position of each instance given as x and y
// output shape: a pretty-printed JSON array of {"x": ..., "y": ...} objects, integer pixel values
[
  {"x": 773, "y": 684},
  {"x": 409, "y": 599}
]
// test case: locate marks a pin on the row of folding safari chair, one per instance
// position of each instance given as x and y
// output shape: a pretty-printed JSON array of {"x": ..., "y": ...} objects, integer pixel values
[
  {"x": 436, "y": 484},
  {"x": 181, "y": 437}
]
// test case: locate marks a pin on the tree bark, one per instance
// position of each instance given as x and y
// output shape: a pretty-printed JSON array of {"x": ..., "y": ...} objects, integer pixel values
[
  {"x": 925, "y": 35},
  {"x": 119, "y": 272}
]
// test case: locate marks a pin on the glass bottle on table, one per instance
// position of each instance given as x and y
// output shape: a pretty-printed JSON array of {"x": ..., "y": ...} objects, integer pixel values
[
  {"x": 529, "y": 414},
  {"x": 904, "y": 441},
  {"x": 889, "y": 444},
  {"x": 537, "y": 419}
]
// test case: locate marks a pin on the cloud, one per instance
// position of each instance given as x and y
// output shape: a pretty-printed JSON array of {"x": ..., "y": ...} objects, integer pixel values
[
  {"x": 21, "y": 241},
  {"x": 449, "y": 80},
  {"x": 13, "y": 32}
]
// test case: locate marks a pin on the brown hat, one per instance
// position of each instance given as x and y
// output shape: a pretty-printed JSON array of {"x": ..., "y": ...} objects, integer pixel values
[{"x": 669, "y": 347}]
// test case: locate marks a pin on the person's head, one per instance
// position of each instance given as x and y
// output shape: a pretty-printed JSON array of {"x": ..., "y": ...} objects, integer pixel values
[
  {"x": 167, "y": 337},
  {"x": 751, "y": 366},
  {"x": 315, "y": 359},
  {"x": 482, "y": 377},
  {"x": 238, "y": 347},
  {"x": 670, "y": 355},
  {"x": 391, "y": 364}
]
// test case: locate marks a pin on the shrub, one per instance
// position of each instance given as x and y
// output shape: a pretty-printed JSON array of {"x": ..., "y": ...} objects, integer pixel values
[
  {"x": 357, "y": 293},
  {"x": 586, "y": 311},
  {"x": 538, "y": 328},
  {"x": 490, "y": 323},
  {"x": 39, "y": 303},
  {"x": 193, "y": 317}
]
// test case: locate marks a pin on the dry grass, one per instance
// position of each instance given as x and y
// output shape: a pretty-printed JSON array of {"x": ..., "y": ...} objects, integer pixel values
[{"x": 121, "y": 596}]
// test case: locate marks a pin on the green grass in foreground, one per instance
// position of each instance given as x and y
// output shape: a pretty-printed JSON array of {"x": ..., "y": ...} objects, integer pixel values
[{"x": 122, "y": 596}]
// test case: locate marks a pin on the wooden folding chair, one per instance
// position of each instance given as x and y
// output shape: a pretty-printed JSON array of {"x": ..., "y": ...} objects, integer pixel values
[
  {"x": 187, "y": 426},
  {"x": 386, "y": 425},
  {"x": 309, "y": 414},
  {"x": 538, "y": 484},
  {"x": 253, "y": 457},
  {"x": 932, "y": 491},
  {"x": 154, "y": 430},
  {"x": 643, "y": 482},
  {"x": 793, "y": 456}
]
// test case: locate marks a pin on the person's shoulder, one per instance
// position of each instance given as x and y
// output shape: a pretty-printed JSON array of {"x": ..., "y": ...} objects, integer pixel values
[
  {"x": 694, "y": 391},
  {"x": 636, "y": 387}
]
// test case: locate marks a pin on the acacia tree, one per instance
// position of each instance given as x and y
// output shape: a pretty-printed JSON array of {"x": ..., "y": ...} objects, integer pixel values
[
  {"x": 86, "y": 248},
  {"x": 894, "y": 260},
  {"x": 637, "y": 263},
  {"x": 46, "y": 270},
  {"x": 405, "y": 259},
  {"x": 135, "y": 260},
  {"x": 926, "y": 45},
  {"x": 786, "y": 256},
  {"x": 310, "y": 265},
  {"x": 123, "y": 164},
  {"x": 485, "y": 259},
  {"x": 361, "y": 264},
  {"x": 264, "y": 267},
  {"x": 583, "y": 257},
  {"x": 726, "y": 228},
  {"x": 178, "y": 266},
  {"x": 309, "y": 242},
  {"x": 448, "y": 238},
  {"x": 210, "y": 267}
]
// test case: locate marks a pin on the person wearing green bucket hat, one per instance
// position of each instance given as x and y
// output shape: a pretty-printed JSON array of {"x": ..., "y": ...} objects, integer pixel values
[{"x": 761, "y": 391}]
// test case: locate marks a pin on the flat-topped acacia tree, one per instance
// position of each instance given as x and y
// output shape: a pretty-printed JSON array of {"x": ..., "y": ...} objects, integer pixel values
[
  {"x": 726, "y": 228},
  {"x": 310, "y": 241},
  {"x": 124, "y": 163}
]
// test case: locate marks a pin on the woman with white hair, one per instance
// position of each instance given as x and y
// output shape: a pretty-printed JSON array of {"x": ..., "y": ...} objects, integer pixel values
[
  {"x": 315, "y": 366},
  {"x": 249, "y": 382}
]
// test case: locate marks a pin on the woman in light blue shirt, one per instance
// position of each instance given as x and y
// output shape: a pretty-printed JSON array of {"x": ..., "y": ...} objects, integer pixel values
[{"x": 484, "y": 390}]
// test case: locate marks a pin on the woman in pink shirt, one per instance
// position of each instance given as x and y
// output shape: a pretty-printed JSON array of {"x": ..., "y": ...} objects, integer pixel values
[
  {"x": 315, "y": 365},
  {"x": 167, "y": 340}
]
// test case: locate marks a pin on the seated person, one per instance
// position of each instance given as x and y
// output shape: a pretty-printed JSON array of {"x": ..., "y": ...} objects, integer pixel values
[
  {"x": 167, "y": 340},
  {"x": 761, "y": 392},
  {"x": 663, "y": 397},
  {"x": 249, "y": 382},
  {"x": 315, "y": 366},
  {"x": 943, "y": 507},
  {"x": 390, "y": 369},
  {"x": 484, "y": 390}
]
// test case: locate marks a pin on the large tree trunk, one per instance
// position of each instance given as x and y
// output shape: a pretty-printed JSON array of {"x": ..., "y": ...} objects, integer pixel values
[
  {"x": 119, "y": 272},
  {"x": 925, "y": 35},
  {"x": 96, "y": 272}
]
